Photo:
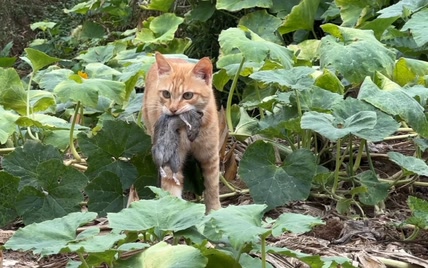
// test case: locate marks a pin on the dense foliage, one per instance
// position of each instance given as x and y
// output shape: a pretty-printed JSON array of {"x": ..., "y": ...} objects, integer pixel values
[{"x": 317, "y": 82}]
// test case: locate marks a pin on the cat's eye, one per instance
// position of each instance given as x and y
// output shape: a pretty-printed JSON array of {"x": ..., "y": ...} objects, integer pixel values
[
  {"x": 187, "y": 95},
  {"x": 166, "y": 94}
]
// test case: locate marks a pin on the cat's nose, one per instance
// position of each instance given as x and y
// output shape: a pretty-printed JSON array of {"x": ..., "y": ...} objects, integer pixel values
[{"x": 173, "y": 110}]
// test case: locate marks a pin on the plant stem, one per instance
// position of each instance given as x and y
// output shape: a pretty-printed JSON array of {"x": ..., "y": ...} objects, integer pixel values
[
  {"x": 336, "y": 170},
  {"x": 369, "y": 159},
  {"x": 399, "y": 137},
  {"x": 28, "y": 108},
  {"x": 84, "y": 263},
  {"x": 227, "y": 184},
  {"x": 230, "y": 97},
  {"x": 73, "y": 123},
  {"x": 359, "y": 156},
  {"x": 6, "y": 150},
  {"x": 351, "y": 158},
  {"x": 263, "y": 251},
  {"x": 414, "y": 234}
]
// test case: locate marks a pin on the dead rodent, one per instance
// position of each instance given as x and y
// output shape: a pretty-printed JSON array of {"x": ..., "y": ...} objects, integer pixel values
[{"x": 166, "y": 139}]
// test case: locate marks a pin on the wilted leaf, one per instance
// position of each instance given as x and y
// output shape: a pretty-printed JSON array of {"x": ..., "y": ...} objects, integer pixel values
[
  {"x": 335, "y": 128},
  {"x": 9, "y": 189},
  {"x": 273, "y": 184},
  {"x": 301, "y": 17},
  {"x": 49, "y": 237},
  {"x": 354, "y": 53},
  {"x": 235, "y": 5},
  {"x": 395, "y": 102},
  {"x": 168, "y": 213},
  {"x": 295, "y": 223},
  {"x": 329, "y": 81},
  {"x": 410, "y": 163},
  {"x": 166, "y": 256},
  {"x": 246, "y": 227}
]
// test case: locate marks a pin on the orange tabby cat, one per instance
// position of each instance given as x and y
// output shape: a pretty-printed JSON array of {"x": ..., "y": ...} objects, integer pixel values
[{"x": 174, "y": 86}]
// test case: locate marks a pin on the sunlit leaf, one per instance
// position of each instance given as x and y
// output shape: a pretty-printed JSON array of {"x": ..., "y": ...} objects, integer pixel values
[
  {"x": 159, "y": 29},
  {"x": 410, "y": 163},
  {"x": 235, "y": 5},
  {"x": 354, "y": 53},
  {"x": 395, "y": 102},
  {"x": 409, "y": 70},
  {"x": 267, "y": 29},
  {"x": 39, "y": 59},
  {"x": 301, "y": 17},
  {"x": 166, "y": 256},
  {"x": 335, "y": 128},
  {"x": 7, "y": 124}
]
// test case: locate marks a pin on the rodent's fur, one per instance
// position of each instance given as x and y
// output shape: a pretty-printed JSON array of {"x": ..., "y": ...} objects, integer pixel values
[{"x": 166, "y": 138}]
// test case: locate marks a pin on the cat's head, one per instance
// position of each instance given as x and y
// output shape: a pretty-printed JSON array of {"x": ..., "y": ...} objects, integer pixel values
[{"x": 183, "y": 86}]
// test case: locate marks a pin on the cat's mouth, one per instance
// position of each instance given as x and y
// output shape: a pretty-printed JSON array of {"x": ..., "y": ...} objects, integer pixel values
[{"x": 183, "y": 109}]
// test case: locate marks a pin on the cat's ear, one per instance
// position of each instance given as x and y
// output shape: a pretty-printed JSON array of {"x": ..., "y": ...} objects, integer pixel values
[
  {"x": 162, "y": 63},
  {"x": 204, "y": 70}
]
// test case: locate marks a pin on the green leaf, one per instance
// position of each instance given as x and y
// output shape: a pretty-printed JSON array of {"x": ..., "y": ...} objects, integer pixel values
[
  {"x": 88, "y": 91},
  {"x": 91, "y": 30},
  {"x": 48, "y": 79},
  {"x": 410, "y": 163},
  {"x": 165, "y": 214},
  {"x": 252, "y": 47},
  {"x": 39, "y": 59},
  {"x": 248, "y": 261},
  {"x": 354, "y": 12},
  {"x": 235, "y": 5},
  {"x": 12, "y": 93},
  {"x": 329, "y": 81},
  {"x": 84, "y": 7},
  {"x": 158, "y": 30},
  {"x": 7, "y": 124},
  {"x": 336, "y": 128},
  {"x": 159, "y": 5},
  {"x": 23, "y": 162},
  {"x": 166, "y": 256},
  {"x": 354, "y": 53},
  {"x": 57, "y": 191},
  {"x": 49, "y": 237},
  {"x": 375, "y": 191},
  {"x": 318, "y": 99},
  {"x": 46, "y": 121},
  {"x": 94, "y": 243},
  {"x": 306, "y": 51},
  {"x": 301, "y": 17},
  {"x": 218, "y": 258},
  {"x": 273, "y": 184},
  {"x": 100, "y": 70},
  {"x": 7, "y": 61},
  {"x": 202, "y": 11},
  {"x": 295, "y": 78},
  {"x": 263, "y": 24},
  {"x": 385, "y": 124},
  {"x": 295, "y": 223},
  {"x": 105, "y": 194},
  {"x": 419, "y": 208},
  {"x": 246, "y": 227},
  {"x": 110, "y": 149},
  {"x": 401, "y": 8},
  {"x": 42, "y": 25},
  {"x": 417, "y": 25},
  {"x": 408, "y": 71},
  {"x": 98, "y": 54},
  {"x": 395, "y": 102},
  {"x": 379, "y": 25},
  {"x": 9, "y": 189},
  {"x": 246, "y": 125}
]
